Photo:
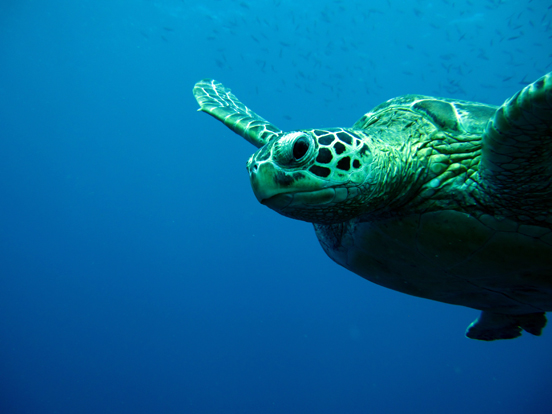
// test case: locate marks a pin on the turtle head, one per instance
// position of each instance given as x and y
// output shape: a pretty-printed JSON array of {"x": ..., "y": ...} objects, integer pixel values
[
  {"x": 311, "y": 175},
  {"x": 322, "y": 176}
]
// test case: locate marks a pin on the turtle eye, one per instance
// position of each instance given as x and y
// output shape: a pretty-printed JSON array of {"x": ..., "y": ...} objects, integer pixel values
[
  {"x": 300, "y": 148},
  {"x": 294, "y": 149}
]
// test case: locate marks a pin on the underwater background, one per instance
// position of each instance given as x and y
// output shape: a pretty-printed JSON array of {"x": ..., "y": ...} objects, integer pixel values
[{"x": 138, "y": 273}]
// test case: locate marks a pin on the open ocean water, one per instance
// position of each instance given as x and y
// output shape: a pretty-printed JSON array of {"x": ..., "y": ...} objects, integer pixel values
[{"x": 138, "y": 273}]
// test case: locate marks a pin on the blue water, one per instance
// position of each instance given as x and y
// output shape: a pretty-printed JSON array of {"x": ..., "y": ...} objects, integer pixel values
[{"x": 138, "y": 274}]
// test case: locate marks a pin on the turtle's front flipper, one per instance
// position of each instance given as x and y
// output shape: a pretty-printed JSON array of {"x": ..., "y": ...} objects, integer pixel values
[
  {"x": 517, "y": 147},
  {"x": 490, "y": 326},
  {"x": 219, "y": 102}
]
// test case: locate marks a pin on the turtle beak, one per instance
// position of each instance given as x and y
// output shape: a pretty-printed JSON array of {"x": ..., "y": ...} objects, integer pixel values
[
  {"x": 262, "y": 176},
  {"x": 265, "y": 189}
]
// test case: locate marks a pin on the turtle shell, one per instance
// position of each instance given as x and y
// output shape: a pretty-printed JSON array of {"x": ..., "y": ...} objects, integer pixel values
[
  {"x": 484, "y": 263},
  {"x": 454, "y": 116}
]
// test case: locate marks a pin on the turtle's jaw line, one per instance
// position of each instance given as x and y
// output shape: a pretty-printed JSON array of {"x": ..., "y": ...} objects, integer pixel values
[
  {"x": 278, "y": 202},
  {"x": 305, "y": 199}
]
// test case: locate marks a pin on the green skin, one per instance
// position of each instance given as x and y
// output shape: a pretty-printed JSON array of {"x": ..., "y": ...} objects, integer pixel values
[{"x": 442, "y": 199}]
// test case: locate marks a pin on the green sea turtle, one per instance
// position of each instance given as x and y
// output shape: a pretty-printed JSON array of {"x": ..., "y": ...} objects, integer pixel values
[{"x": 438, "y": 198}]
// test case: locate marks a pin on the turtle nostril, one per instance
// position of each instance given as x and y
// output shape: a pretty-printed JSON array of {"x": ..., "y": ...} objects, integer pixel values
[{"x": 253, "y": 167}]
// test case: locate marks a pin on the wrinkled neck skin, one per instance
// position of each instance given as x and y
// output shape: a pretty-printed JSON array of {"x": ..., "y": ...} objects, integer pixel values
[
  {"x": 394, "y": 176},
  {"x": 435, "y": 172}
]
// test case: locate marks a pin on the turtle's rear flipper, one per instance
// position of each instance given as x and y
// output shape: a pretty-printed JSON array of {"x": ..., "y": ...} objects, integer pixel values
[{"x": 490, "y": 326}]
